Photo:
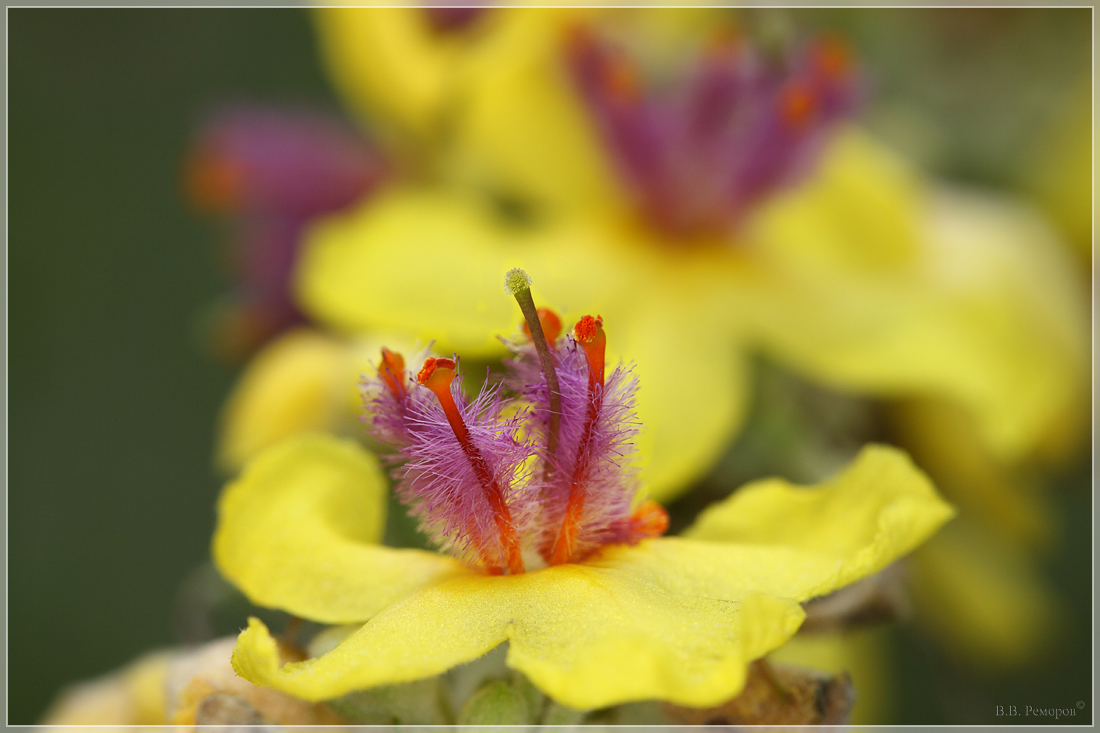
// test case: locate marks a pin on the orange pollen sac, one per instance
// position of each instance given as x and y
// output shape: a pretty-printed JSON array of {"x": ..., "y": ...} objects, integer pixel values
[
  {"x": 589, "y": 334},
  {"x": 833, "y": 57},
  {"x": 213, "y": 183},
  {"x": 551, "y": 325},
  {"x": 436, "y": 373},
  {"x": 587, "y": 328},
  {"x": 392, "y": 371},
  {"x": 797, "y": 105},
  {"x": 621, "y": 80},
  {"x": 650, "y": 520},
  {"x": 723, "y": 44}
]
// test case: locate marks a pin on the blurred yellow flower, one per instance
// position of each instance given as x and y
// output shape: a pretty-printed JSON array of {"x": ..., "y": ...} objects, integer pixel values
[
  {"x": 134, "y": 695},
  {"x": 182, "y": 686},
  {"x": 670, "y": 618},
  {"x": 861, "y": 275},
  {"x": 980, "y": 316},
  {"x": 979, "y": 585}
]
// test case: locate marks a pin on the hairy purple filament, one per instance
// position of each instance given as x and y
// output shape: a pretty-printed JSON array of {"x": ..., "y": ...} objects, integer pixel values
[
  {"x": 465, "y": 470},
  {"x": 461, "y": 483},
  {"x": 590, "y": 475}
]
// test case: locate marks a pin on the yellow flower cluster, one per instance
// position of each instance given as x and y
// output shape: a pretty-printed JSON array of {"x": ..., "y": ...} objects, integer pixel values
[
  {"x": 863, "y": 276},
  {"x": 858, "y": 274}
]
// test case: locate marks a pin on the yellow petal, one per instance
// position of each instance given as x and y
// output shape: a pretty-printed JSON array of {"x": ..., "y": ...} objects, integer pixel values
[
  {"x": 693, "y": 396},
  {"x": 432, "y": 265},
  {"x": 588, "y": 636},
  {"x": 930, "y": 293},
  {"x": 525, "y": 130},
  {"x": 200, "y": 673},
  {"x": 391, "y": 65},
  {"x": 288, "y": 388},
  {"x": 860, "y": 210},
  {"x": 495, "y": 100},
  {"x": 674, "y": 619},
  {"x": 297, "y": 531},
  {"x": 986, "y": 597},
  {"x": 945, "y": 442},
  {"x": 878, "y": 509}
]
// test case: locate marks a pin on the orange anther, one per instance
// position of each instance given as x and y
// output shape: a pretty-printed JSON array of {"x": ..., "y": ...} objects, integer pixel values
[
  {"x": 797, "y": 105},
  {"x": 621, "y": 79},
  {"x": 392, "y": 371},
  {"x": 551, "y": 325},
  {"x": 650, "y": 520},
  {"x": 833, "y": 56},
  {"x": 586, "y": 328},
  {"x": 213, "y": 182},
  {"x": 589, "y": 334},
  {"x": 436, "y": 372},
  {"x": 723, "y": 44}
]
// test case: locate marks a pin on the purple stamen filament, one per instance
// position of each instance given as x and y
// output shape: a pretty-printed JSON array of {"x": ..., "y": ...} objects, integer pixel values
[{"x": 437, "y": 376}]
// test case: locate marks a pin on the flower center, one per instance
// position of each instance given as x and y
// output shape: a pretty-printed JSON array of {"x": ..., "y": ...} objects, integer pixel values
[
  {"x": 553, "y": 478},
  {"x": 735, "y": 127}
]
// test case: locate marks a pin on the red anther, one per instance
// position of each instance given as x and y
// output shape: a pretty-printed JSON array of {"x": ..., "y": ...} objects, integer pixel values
[
  {"x": 723, "y": 44},
  {"x": 833, "y": 56},
  {"x": 589, "y": 334},
  {"x": 392, "y": 371},
  {"x": 797, "y": 105},
  {"x": 437, "y": 375},
  {"x": 649, "y": 520},
  {"x": 614, "y": 73},
  {"x": 585, "y": 330},
  {"x": 621, "y": 79},
  {"x": 213, "y": 183},
  {"x": 579, "y": 40},
  {"x": 445, "y": 369},
  {"x": 551, "y": 326}
]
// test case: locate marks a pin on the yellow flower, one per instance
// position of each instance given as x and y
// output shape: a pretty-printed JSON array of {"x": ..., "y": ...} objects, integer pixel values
[
  {"x": 183, "y": 686},
  {"x": 977, "y": 588},
  {"x": 862, "y": 276},
  {"x": 979, "y": 585},
  {"x": 134, "y": 695},
  {"x": 975, "y": 315},
  {"x": 670, "y": 618}
]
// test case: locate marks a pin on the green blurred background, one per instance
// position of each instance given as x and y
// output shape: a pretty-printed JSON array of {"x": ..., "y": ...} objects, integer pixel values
[{"x": 113, "y": 399}]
